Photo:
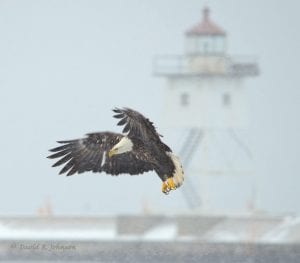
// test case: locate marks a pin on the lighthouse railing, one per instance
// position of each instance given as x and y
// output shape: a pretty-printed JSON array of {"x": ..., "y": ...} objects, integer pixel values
[{"x": 173, "y": 65}]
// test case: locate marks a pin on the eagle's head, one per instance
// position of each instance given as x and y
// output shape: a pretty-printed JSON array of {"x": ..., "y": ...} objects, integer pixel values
[{"x": 124, "y": 145}]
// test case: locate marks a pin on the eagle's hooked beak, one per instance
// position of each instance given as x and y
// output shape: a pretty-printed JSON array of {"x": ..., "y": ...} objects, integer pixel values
[{"x": 112, "y": 152}]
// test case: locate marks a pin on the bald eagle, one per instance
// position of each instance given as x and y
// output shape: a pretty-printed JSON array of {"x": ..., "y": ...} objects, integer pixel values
[{"x": 139, "y": 149}]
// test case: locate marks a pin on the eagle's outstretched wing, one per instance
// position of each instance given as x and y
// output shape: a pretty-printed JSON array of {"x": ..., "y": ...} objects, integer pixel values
[
  {"x": 91, "y": 154},
  {"x": 139, "y": 126}
]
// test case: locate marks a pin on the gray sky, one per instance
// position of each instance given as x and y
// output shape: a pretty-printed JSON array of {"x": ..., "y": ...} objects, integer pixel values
[{"x": 65, "y": 64}]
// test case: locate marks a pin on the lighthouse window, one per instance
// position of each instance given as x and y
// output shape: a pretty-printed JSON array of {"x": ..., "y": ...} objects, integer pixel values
[
  {"x": 184, "y": 99},
  {"x": 226, "y": 99}
]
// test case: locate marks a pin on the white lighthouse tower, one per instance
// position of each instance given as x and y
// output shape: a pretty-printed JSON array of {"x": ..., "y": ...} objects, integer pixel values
[{"x": 206, "y": 105}]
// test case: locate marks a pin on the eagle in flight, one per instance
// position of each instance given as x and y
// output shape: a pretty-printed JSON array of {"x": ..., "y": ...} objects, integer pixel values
[{"x": 139, "y": 149}]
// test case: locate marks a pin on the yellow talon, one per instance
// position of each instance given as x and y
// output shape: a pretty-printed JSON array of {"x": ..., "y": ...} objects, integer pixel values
[
  {"x": 165, "y": 189},
  {"x": 171, "y": 183}
]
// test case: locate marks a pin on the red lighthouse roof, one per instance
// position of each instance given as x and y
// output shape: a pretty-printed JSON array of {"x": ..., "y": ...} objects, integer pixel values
[{"x": 206, "y": 26}]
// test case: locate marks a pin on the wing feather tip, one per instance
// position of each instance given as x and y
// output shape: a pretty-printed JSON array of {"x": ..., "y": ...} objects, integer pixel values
[
  {"x": 117, "y": 110},
  {"x": 122, "y": 122},
  {"x": 50, "y": 157},
  {"x": 118, "y": 116},
  {"x": 61, "y": 172},
  {"x": 65, "y": 141},
  {"x": 53, "y": 150}
]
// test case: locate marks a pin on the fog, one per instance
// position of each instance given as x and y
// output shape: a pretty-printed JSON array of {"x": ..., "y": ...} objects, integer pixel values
[{"x": 65, "y": 64}]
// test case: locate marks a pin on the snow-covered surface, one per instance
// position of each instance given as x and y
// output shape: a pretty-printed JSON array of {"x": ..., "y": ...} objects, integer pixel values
[
  {"x": 243, "y": 229},
  {"x": 288, "y": 231},
  {"x": 106, "y": 230},
  {"x": 60, "y": 234},
  {"x": 166, "y": 231}
]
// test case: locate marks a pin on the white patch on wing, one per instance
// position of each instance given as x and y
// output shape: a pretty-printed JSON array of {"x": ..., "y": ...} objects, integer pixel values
[
  {"x": 178, "y": 175},
  {"x": 103, "y": 158}
]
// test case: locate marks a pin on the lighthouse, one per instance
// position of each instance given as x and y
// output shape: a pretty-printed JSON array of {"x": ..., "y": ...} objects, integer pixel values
[{"x": 205, "y": 105}]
